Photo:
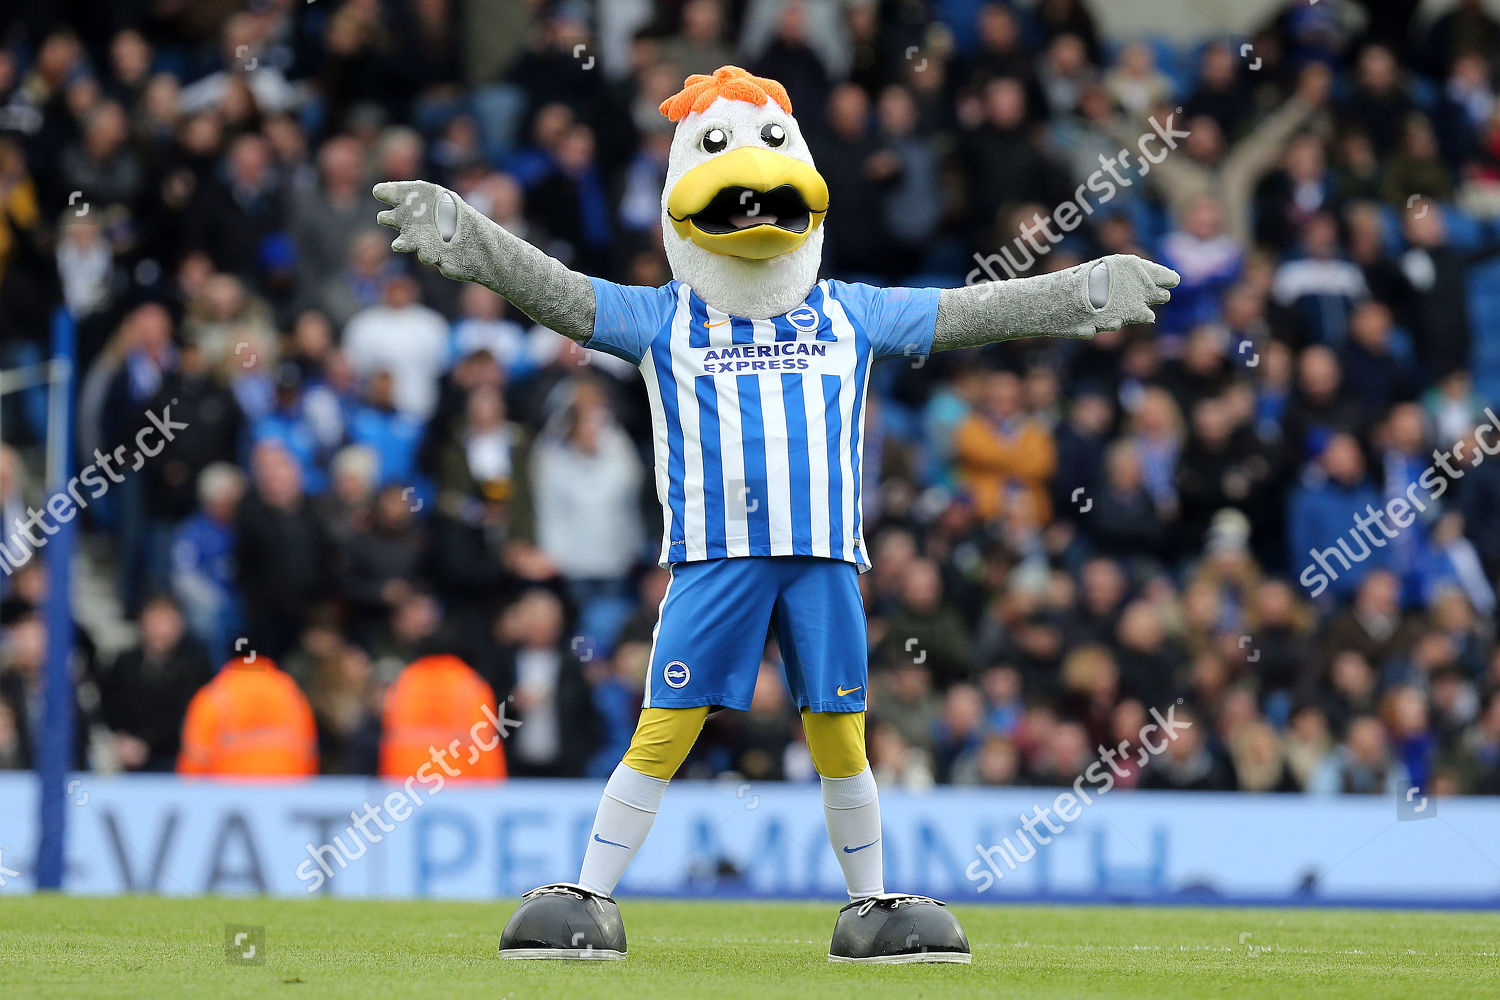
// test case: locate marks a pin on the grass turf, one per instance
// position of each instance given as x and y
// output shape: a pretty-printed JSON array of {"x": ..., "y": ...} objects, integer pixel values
[{"x": 143, "y": 946}]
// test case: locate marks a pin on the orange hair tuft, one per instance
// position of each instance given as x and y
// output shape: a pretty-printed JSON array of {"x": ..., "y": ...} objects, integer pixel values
[{"x": 729, "y": 82}]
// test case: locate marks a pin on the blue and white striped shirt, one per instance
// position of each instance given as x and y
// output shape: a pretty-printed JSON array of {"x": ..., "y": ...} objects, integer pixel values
[{"x": 757, "y": 422}]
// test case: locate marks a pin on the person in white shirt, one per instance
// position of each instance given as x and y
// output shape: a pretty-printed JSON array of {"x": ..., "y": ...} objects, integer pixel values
[
  {"x": 586, "y": 480},
  {"x": 405, "y": 338}
]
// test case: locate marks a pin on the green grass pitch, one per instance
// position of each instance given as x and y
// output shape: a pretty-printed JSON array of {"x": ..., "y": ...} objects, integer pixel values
[{"x": 141, "y": 946}]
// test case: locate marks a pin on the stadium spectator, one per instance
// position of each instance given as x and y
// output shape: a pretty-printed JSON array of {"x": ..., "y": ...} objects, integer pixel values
[
  {"x": 922, "y": 630},
  {"x": 15, "y": 499},
  {"x": 203, "y": 569},
  {"x": 852, "y": 150},
  {"x": 1324, "y": 536},
  {"x": 439, "y": 713},
  {"x": 11, "y": 757},
  {"x": 1129, "y": 521},
  {"x": 1373, "y": 626},
  {"x": 1081, "y": 441},
  {"x": 145, "y": 693},
  {"x": 345, "y": 704},
  {"x": 1361, "y": 765},
  {"x": 1259, "y": 760},
  {"x": 1222, "y": 467},
  {"x": 281, "y": 549},
  {"x": 549, "y": 691},
  {"x": 1001, "y": 451},
  {"x": 285, "y": 424},
  {"x": 765, "y": 744},
  {"x": 1377, "y": 358},
  {"x": 1379, "y": 104},
  {"x": 1318, "y": 287},
  {"x": 1147, "y": 657},
  {"x": 1000, "y": 161},
  {"x": 1289, "y": 197},
  {"x": 484, "y": 462},
  {"x": 909, "y": 172},
  {"x": 23, "y": 643},
  {"x": 250, "y": 721},
  {"x": 698, "y": 46},
  {"x": 1227, "y": 168},
  {"x": 1219, "y": 92},
  {"x": 905, "y": 701},
  {"x": 1476, "y": 758},
  {"x": 381, "y": 561},
  {"x": 1135, "y": 83},
  {"x": 325, "y": 219},
  {"x": 1192, "y": 761},
  {"x": 1209, "y": 260},
  {"x": 1452, "y": 565},
  {"x": 1438, "y": 271},
  {"x": 958, "y": 732},
  {"x": 404, "y": 338},
  {"x": 239, "y": 210},
  {"x": 414, "y": 622},
  {"x": 1060, "y": 757},
  {"x": 895, "y": 762},
  {"x": 149, "y": 356},
  {"x": 392, "y": 435},
  {"x": 586, "y": 482}
]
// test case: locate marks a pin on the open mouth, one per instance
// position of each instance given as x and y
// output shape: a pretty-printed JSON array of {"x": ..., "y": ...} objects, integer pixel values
[
  {"x": 750, "y": 203},
  {"x": 736, "y": 208}
]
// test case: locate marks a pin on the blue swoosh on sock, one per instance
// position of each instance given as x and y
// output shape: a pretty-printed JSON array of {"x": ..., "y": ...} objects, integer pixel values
[
  {"x": 611, "y": 843},
  {"x": 847, "y": 849}
]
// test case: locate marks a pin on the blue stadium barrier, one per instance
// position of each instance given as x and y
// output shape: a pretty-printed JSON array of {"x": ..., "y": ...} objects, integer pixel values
[{"x": 148, "y": 833}]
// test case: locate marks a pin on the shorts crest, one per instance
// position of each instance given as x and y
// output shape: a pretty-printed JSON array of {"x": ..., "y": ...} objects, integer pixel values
[{"x": 676, "y": 674}]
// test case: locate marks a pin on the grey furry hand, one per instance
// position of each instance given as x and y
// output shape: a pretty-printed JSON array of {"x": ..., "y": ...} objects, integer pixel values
[
  {"x": 1052, "y": 305},
  {"x": 415, "y": 216},
  {"x": 483, "y": 251},
  {"x": 1135, "y": 285}
]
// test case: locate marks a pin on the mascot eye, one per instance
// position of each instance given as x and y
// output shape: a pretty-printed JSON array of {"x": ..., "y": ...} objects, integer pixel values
[
  {"x": 714, "y": 140},
  {"x": 773, "y": 135}
]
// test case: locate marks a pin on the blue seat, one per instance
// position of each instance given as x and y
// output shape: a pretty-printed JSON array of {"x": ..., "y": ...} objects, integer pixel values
[
  {"x": 1464, "y": 231},
  {"x": 1484, "y": 326}
]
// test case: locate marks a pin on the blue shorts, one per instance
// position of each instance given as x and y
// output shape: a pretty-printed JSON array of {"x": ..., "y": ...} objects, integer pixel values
[{"x": 717, "y": 614}]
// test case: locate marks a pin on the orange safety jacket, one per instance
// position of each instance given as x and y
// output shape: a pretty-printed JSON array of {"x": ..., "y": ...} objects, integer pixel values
[
  {"x": 441, "y": 713},
  {"x": 249, "y": 721}
]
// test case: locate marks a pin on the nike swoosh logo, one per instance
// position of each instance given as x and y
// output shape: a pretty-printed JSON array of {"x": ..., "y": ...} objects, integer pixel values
[
  {"x": 611, "y": 843},
  {"x": 712, "y": 325},
  {"x": 843, "y": 691},
  {"x": 855, "y": 850}
]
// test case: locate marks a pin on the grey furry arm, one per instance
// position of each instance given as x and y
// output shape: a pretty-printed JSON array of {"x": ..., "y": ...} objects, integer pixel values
[
  {"x": 484, "y": 252},
  {"x": 1052, "y": 305}
]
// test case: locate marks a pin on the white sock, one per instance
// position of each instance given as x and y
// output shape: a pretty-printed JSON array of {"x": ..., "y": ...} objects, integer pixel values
[
  {"x": 625, "y": 815},
  {"x": 851, "y": 808}
]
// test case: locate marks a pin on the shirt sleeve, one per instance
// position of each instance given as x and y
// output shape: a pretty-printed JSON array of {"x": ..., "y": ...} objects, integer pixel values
[
  {"x": 628, "y": 317},
  {"x": 898, "y": 321}
]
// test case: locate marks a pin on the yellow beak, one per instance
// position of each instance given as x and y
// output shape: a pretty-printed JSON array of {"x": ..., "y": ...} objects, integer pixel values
[{"x": 716, "y": 203}]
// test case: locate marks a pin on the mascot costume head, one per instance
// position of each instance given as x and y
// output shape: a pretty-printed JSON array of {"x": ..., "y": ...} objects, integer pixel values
[{"x": 742, "y": 209}]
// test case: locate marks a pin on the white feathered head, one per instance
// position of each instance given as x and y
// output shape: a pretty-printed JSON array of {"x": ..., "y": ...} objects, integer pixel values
[{"x": 743, "y": 207}]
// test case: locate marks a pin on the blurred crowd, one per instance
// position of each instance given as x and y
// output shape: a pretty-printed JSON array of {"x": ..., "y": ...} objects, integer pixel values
[{"x": 394, "y": 490}]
